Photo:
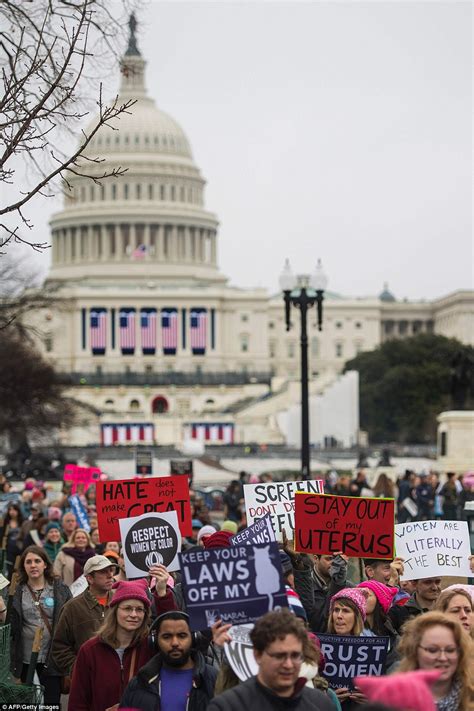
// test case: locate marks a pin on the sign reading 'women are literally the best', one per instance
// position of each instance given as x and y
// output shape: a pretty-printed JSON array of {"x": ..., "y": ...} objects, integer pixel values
[{"x": 432, "y": 549}]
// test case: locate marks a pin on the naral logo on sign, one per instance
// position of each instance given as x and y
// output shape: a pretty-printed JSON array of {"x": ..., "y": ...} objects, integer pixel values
[{"x": 151, "y": 541}]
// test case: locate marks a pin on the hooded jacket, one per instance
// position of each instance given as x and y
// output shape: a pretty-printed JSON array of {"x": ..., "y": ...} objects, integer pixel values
[{"x": 144, "y": 691}]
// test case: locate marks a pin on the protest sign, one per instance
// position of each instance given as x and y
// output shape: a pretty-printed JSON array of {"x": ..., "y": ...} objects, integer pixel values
[
  {"x": 81, "y": 475},
  {"x": 237, "y": 584},
  {"x": 348, "y": 657},
  {"x": 150, "y": 539},
  {"x": 80, "y": 512},
  {"x": 143, "y": 462},
  {"x": 433, "y": 549},
  {"x": 79, "y": 585},
  {"x": 239, "y": 652},
  {"x": 261, "y": 531},
  {"x": 359, "y": 527},
  {"x": 182, "y": 467},
  {"x": 278, "y": 500},
  {"x": 125, "y": 498}
]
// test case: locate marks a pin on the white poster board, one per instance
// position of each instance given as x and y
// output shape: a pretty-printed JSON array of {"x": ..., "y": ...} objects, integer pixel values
[
  {"x": 278, "y": 500},
  {"x": 433, "y": 549},
  {"x": 239, "y": 652},
  {"x": 150, "y": 539}
]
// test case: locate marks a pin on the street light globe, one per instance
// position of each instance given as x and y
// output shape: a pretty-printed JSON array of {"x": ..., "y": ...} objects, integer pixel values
[
  {"x": 319, "y": 280},
  {"x": 287, "y": 279}
]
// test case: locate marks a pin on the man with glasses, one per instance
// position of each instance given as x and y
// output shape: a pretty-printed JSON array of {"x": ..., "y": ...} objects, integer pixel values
[
  {"x": 277, "y": 640},
  {"x": 177, "y": 677}
]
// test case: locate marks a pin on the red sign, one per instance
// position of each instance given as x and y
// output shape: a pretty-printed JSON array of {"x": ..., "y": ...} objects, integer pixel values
[
  {"x": 81, "y": 475},
  {"x": 124, "y": 498},
  {"x": 359, "y": 527}
]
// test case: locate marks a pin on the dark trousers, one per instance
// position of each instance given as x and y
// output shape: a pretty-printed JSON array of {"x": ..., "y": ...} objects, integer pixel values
[{"x": 51, "y": 684}]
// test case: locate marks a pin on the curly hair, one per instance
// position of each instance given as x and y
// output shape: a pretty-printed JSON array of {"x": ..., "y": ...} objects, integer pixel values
[
  {"x": 276, "y": 625},
  {"x": 49, "y": 576},
  {"x": 413, "y": 632}
]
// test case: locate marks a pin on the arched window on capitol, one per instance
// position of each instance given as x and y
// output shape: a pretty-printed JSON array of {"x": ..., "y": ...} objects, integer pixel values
[{"x": 159, "y": 405}]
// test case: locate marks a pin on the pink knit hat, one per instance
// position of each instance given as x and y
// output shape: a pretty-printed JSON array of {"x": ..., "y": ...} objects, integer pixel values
[
  {"x": 383, "y": 593},
  {"x": 409, "y": 691},
  {"x": 131, "y": 590},
  {"x": 355, "y": 596}
]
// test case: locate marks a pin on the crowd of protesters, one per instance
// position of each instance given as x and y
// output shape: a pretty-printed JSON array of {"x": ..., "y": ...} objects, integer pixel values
[{"x": 109, "y": 642}]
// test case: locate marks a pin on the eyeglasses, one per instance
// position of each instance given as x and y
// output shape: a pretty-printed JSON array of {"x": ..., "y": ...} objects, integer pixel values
[
  {"x": 436, "y": 651},
  {"x": 129, "y": 609},
  {"x": 280, "y": 657}
]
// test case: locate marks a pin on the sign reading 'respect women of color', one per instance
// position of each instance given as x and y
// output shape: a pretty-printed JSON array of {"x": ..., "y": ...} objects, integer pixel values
[
  {"x": 278, "y": 500},
  {"x": 432, "y": 549},
  {"x": 359, "y": 527},
  {"x": 126, "y": 498},
  {"x": 150, "y": 539}
]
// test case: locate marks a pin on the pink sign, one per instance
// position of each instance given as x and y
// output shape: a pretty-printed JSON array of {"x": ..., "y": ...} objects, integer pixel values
[{"x": 81, "y": 475}]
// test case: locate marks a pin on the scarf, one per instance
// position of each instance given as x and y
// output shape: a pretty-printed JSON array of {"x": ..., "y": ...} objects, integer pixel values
[
  {"x": 80, "y": 558},
  {"x": 451, "y": 701}
]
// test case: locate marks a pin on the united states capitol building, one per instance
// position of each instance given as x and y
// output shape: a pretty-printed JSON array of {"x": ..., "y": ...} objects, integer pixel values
[{"x": 156, "y": 343}]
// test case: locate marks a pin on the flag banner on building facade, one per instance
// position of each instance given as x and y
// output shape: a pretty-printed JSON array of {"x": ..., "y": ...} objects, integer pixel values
[
  {"x": 80, "y": 512},
  {"x": 169, "y": 331},
  {"x": 359, "y": 527},
  {"x": 127, "y": 331},
  {"x": 122, "y": 434},
  {"x": 143, "y": 462},
  {"x": 259, "y": 532},
  {"x": 198, "y": 330},
  {"x": 239, "y": 652},
  {"x": 98, "y": 331},
  {"x": 80, "y": 475},
  {"x": 236, "y": 585},
  {"x": 126, "y": 498},
  {"x": 150, "y": 539},
  {"x": 148, "y": 330},
  {"x": 348, "y": 657},
  {"x": 210, "y": 431},
  {"x": 433, "y": 549},
  {"x": 278, "y": 500},
  {"x": 139, "y": 252}
]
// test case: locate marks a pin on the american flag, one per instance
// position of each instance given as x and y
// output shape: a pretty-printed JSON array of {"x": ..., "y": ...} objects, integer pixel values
[
  {"x": 140, "y": 252},
  {"x": 148, "y": 330},
  {"x": 127, "y": 331},
  {"x": 169, "y": 330},
  {"x": 198, "y": 331},
  {"x": 98, "y": 331}
]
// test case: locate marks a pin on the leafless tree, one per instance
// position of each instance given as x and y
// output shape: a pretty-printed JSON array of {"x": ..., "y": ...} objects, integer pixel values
[{"x": 50, "y": 51}]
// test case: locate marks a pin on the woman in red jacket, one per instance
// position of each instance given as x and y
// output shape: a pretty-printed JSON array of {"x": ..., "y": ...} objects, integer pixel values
[{"x": 106, "y": 663}]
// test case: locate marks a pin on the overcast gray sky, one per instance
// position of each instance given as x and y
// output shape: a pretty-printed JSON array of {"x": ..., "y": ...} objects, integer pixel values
[{"x": 332, "y": 129}]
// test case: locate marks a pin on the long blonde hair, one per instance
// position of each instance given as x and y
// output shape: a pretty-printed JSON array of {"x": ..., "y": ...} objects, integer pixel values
[
  {"x": 412, "y": 633},
  {"x": 108, "y": 631}
]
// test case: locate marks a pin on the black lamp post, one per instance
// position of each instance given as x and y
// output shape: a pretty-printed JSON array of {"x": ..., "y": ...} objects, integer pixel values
[{"x": 303, "y": 292}]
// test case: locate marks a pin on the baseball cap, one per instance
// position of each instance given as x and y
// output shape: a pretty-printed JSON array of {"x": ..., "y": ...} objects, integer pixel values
[{"x": 96, "y": 563}]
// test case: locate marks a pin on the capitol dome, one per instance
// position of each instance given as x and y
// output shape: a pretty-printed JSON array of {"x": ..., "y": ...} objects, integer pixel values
[{"x": 149, "y": 219}]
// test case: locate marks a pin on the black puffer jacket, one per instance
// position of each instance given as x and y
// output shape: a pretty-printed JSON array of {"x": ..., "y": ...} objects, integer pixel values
[
  {"x": 143, "y": 692},
  {"x": 252, "y": 695},
  {"x": 61, "y": 595}
]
